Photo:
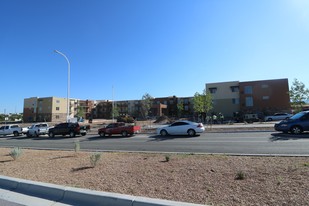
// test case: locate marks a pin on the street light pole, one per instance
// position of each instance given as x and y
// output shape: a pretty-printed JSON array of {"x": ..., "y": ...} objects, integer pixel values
[{"x": 68, "y": 92}]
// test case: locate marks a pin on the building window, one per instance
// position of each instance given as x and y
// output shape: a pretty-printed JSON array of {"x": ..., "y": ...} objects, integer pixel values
[
  {"x": 235, "y": 101},
  {"x": 265, "y": 97},
  {"x": 249, "y": 102},
  {"x": 235, "y": 88},
  {"x": 186, "y": 108},
  {"x": 57, "y": 116},
  {"x": 248, "y": 89},
  {"x": 264, "y": 86},
  {"x": 57, "y": 101},
  {"x": 57, "y": 108},
  {"x": 213, "y": 90}
]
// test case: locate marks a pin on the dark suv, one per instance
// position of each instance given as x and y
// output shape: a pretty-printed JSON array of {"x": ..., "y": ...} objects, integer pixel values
[
  {"x": 71, "y": 129},
  {"x": 295, "y": 124}
]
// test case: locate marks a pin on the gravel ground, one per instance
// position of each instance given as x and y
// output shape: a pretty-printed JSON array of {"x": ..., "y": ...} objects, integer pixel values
[{"x": 203, "y": 179}]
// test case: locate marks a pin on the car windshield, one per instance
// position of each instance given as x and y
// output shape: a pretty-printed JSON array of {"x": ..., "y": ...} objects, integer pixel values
[{"x": 298, "y": 115}]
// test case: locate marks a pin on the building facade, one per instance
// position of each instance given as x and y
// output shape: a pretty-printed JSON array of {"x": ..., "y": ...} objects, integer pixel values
[
  {"x": 53, "y": 109},
  {"x": 265, "y": 97},
  {"x": 232, "y": 99},
  {"x": 226, "y": 97},
  {"x": 235, "y": 99}
]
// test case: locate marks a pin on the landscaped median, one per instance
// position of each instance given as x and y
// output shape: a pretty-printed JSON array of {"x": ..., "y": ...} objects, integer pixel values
[{"x": 199, "y": 179}]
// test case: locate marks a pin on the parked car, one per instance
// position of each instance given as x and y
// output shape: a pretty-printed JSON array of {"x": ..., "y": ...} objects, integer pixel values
[
  {"x": 71, "y": 129},
  {"x": 119, "y": 128},
  {"x": 14, "y": 129},
  {"x": 38, "y": 129},
  {"x": 24, "y": 130},
  {"x": 295, "y": 124},
  {"x": 181, "y": 128},
  {"x": 278, "y": 116}
]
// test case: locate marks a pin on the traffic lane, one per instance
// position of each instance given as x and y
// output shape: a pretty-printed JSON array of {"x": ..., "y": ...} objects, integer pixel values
[
  {"x": 228, "y": 143},
  {"x": 232, "y": 143}
]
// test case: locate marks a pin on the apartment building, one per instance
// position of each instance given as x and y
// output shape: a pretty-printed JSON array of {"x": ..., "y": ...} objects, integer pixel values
[
  {"x": 225, "y": 97},
  {"x": 231, "y": 99},
  {"x": 265, "y": 97},
  {"x": 49, "y": 109},
  {"x": 262, "y": 97}
]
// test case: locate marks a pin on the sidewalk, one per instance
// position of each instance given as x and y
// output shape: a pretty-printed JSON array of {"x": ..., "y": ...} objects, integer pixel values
[{"x": 16, "y": 192}]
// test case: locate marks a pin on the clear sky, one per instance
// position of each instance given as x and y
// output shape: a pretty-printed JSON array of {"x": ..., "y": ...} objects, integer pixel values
[{"x": 160, "y": 47}]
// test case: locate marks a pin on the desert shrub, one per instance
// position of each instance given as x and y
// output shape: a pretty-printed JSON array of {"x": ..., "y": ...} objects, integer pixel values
[
  {"x": 94, "y": 159},
  {"x": 240, "y": 175},
  {"x": 167, "y": 158},
  {"x": 15, "y": 153}
]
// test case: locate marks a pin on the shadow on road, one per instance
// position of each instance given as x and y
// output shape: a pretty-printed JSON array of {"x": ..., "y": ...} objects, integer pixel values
[
  {"x": 107, "y": 137},
  {"x": 287, "y": 136},
  {"x": 169, "y": 137}
]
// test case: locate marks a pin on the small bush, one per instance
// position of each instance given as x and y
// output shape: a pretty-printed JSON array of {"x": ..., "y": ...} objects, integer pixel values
[
  {"x": 167, "y": 158},
  {"x": 77, "y": 146},
  {"x": 240, "y": 175},
  {"x": 94, "y": 158},
  {"x": 15, "y": 153}
]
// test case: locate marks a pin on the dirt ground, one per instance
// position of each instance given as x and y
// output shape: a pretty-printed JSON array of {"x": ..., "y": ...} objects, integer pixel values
[{"x": 203, "y": 179}]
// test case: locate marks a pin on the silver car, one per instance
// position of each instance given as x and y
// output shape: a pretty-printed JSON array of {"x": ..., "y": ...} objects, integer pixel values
[{"x": 181, "y": 128}]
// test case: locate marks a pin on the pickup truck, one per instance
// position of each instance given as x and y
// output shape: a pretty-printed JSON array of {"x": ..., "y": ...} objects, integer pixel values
[
  {"x": 119, "y": 128},
  {"x": 71, "y": 129},
  {"x": 38, "y": 129},
  {"x": 14, "y": 129}
]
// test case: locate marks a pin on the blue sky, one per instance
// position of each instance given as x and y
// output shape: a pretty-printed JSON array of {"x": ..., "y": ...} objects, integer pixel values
[{"x": 160, "y": 47}]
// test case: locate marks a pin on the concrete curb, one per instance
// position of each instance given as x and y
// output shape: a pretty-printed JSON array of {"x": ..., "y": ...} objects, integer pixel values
[{"x": 32, "y": 193}]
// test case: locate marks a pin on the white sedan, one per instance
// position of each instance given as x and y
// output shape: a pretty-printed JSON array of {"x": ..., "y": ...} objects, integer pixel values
[
  {"x": 278, "y": 116},
  {"x": 181, "y": 128}
]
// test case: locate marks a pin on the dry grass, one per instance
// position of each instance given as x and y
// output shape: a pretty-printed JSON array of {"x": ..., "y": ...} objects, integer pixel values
[{"x": 204, "y": 179}]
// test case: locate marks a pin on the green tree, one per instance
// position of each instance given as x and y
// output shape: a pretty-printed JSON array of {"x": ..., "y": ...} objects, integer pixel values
[
  {"x": 115, "y": 111},
  {"x": 146, "y": 104},
  {"x": 80, "y": 112},
  {"x": 203, "y": 103},
  {"x": 180, "y": 107},
  {"x": 299, "y": 94}
]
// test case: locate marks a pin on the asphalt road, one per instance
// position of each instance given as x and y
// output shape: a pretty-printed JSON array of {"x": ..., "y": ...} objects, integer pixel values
[{"x": 252, "y": 143}]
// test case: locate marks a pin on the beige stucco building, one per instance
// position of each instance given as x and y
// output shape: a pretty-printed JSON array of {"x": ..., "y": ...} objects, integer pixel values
[
  {"x": 47, "y": 109},
  {"x": 225, "y": 97}
]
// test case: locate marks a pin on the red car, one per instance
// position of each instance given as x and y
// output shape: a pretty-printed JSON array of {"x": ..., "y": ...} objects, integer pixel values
[{"x": 119, "y": 128}]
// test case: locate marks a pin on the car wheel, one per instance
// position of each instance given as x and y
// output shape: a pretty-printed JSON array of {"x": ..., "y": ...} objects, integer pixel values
[
  {"x": 36, "y": 134},
  {"x": 163, "y": 132},
  {"x": 28, "y": 135},
  {"x": 124, "y": 133},
  {"x": 191, "y": 132},
  {"x": 72, "y": 134},
  {"x": 51, "y": 134},
  {"x": 102, "y": 134},
  {"x": 15, "y": 134},
  {"x": 296, "y": 130}
]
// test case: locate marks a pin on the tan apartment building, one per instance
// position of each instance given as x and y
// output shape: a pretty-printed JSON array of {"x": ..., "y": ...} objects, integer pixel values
[
  {"x": 48, "y": 109},
  {"x": 252, "y": 97},
  {"x": 225, "y": 97}
]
